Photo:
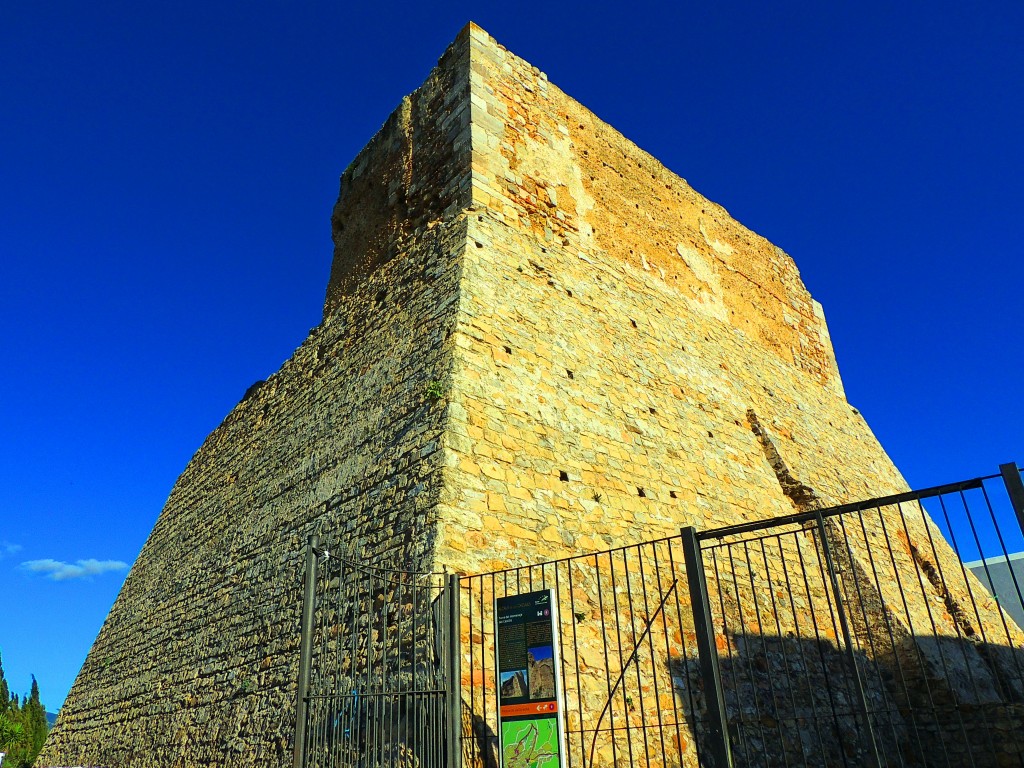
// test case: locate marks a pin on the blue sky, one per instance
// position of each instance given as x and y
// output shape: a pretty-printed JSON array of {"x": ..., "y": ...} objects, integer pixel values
[{"x": 167, "y": 173}]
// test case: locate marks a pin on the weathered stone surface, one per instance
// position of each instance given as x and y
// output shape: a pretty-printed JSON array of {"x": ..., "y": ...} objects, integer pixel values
[
  {"x": 536, "y": 341},
  {"x": 196, "y": 663}
]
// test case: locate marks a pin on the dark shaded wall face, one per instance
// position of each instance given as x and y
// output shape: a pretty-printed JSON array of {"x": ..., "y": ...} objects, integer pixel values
[{"x": 197, "y": 660}]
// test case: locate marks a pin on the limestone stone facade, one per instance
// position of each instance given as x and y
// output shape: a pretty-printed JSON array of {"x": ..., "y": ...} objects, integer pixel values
[{"x": 536, "y": 340}]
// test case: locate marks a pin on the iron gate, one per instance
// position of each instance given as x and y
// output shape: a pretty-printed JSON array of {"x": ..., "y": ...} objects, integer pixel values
[{"x": 377, "y": 656}]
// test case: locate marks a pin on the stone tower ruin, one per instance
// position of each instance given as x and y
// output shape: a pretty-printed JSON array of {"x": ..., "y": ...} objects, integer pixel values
[{"x": 536, "y": 340}]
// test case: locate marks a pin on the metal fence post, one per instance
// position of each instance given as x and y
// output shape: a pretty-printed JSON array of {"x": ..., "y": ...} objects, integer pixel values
[
  {"x": 305, "y": 649},
  {"x": 454, "y": 687},
  {"x": 718, "y": 725},
  {"x": 1015, "y": 488}
]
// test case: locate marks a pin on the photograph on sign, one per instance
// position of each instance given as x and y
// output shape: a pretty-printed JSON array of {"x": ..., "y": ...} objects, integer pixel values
[
  {"x": 513, "y": 684},
  {"x": 541, "y": 666},
  {"x": 531, "y": 730}
]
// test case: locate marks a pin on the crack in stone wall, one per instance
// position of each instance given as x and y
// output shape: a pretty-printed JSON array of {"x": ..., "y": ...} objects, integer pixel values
[
  {"x": 802, "y": 496},
  {"x": 925, "y": 670},
  {"x": 960, "y": 615}
]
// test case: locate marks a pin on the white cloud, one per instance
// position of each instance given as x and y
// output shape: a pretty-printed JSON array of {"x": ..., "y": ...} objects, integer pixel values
[
  {"x": 6, "y": 548},
  {"x": 80, "y": 569}
]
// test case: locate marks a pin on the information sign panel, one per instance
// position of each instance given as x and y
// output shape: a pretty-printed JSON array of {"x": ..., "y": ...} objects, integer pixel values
[{"x": 531, "y": 728}]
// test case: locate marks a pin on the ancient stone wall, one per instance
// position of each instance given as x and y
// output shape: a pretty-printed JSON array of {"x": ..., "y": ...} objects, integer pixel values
[
  {"x": 616, "y": 329},
  {"x": 630, "y": 359},
  {"x": 197, "y": 662}
]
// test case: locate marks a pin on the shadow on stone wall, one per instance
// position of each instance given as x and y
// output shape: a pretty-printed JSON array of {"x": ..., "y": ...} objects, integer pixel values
[{"x": 930, "y": 702}]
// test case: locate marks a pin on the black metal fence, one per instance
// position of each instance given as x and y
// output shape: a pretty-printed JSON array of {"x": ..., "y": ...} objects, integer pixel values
[
  {"x": 857, "y": 636},
  {"x": 850, "y": 636},
  {"x": 626, "y": 639},
  {"x": 378, "y": 652}
]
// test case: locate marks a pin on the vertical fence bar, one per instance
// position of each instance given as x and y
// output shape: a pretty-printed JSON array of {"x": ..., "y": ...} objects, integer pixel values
[
  {"x": 862, "y": 700},
  {"x": 453, "y": 651},
  {"x": 718, "y": 726},
  {"x": 305, "y": 649},
  {"x": 1015, "y": 489}
]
